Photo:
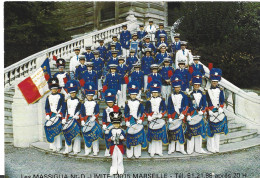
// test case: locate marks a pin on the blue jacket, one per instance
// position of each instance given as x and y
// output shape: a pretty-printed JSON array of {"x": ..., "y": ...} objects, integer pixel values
[
  {"x": 65, "y": 107},
  {"x": 90, "y": 77},
  {"x": 89, "y": 56},
  {"x": 146, "y": 63},
  {"x": 152, "y": 77},
  {"x": 102, "y": 51},
  {"x": 83, "y": 110},
  {"x": 113, "y": 82},
  {"x": 176, "y": 47},
  {"x": 138, "y": 77},
  {"x": 159, "y": 43},
  {"x": 98, "y": 65},
  {"x": 186, "y": 77},
  {"x": 140, "y": 112},
  {"x": 221, "y": 99},
  {"x": 141, "y": 34},
  {"x": 157, "y": 35},
  {"x": 148, "y": 107},
  {"x": 159, "y": 57},
  {"x": 59, "y": 106},
  {"x": 184, "y": 106},
  {"x": 112, "y": 61},
  {"x": 79, "y": 71},
  {"x": 125, "y": 37},
  {"x": 109, "y": 55},
  {"x": 118, "y": 46},
  {"x": 148, "y": 45},
  {"x": 166, "y": 74},
  {"x": 130, "y": 61},
  {"x": 198, "y": 67},
  {"x": 122, "y": 71}
]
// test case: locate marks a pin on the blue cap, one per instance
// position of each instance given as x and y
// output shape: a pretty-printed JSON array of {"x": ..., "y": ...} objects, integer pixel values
[
  {"x": 155, "y": 86},
  {"x": 72, "y": 86},
  {"x": 176, "y": 80},
  {"x": 215, "y": 74},
  {"x": 196, "y": 77},
  {"x": 110, "y": 95},
  {"x": 133, "y": 87},
  {"x": 89, "y": 88}
]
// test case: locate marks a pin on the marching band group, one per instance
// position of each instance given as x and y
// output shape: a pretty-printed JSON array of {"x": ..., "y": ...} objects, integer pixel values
[{"x": 177, "y": 108}]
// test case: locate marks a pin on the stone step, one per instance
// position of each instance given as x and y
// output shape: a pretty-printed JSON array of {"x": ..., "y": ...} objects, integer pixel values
[
  {"x": 8, "y": 106},
  {"x": 9, "y": 135},
  {"x": 9, "y": 140},
  {"x": 8, "y": 130},
  {"x": 234, "y": 127},
  {"x": 8, "y": 114},
  {"x": 226, "y": 148},
  {"x": 8, "y": 123},
  {"x": 9, "y": 93},
  {"x": 8, "y": 118},
  {"x": 8, "y": 99}
]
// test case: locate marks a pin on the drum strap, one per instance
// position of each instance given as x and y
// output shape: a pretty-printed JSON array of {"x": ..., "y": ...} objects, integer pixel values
[{"x": 213, "y": 98}]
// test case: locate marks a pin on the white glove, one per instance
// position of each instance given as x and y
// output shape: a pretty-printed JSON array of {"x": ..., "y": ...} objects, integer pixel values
[
  {"x": 104, "y": 127},
  {"x": 210, "y": 113},
  {"x": 121, "y": 137},
  {"x": 127, "y": 124},
  {"x": 188, "y": 118},
  {"x": 76, "y": 117},
  {"x": 187, "y": 90},
  {"x": 150, "y": 118},
  {"x": 118, "y": 92},
  {"x": 113, "y": 138},
  {"x": 47, "y": 117},
  {"x": 160, "y": 115},
  {"x": 58, "y": 115},
  {"x": 82, "y": 123},
  {"x": 181, "y": 117},
  {"x": 200, "y": 113},
  {"x": 63, "y": 121},
  {"x": 93, "y": 118},
  {"x": 139, "y": 121},
  {"x": 220, "y": 110},
  {"x": 170, "y": 120}
]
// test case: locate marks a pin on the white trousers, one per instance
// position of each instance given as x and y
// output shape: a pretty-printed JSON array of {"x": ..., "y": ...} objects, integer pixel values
[
  {"x": 213, "y": 143},
  {"x": 57, "y": 144},
  {"x": 122, "y": 96},
  {"x": 179, "y": 147},
  {"x": 166, "y": 92},
  {"x": 194, "y": 143},
  {"x": 125, "y": 52},
  {"x": 145, "y": 82},
  {"x": 155, "y": 147},
  {"x": 134, "y": 151},
  {"x": 76, "y": 146},
  {"x": 95, "y": 147},
  {"x": 117, "y": 162}
]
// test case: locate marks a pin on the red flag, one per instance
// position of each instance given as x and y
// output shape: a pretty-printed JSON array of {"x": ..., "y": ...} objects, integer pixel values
[
  {"x": 190, "y": 69},
  {"x": 54, "y": 58},
  {"x": 210, "y": 66},
  {"x": 170, "y": 73},
  {"x": 126, "y": 79},
  {"x": 104, "y": 88},
  {"x": 149, "y": 79}
]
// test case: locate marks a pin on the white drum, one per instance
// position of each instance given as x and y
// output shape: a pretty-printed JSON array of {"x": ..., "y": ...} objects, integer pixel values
[
  {"x": 67, "y": 124},
  {"x": 217, "y": 117},
  {"x": 135, "y": 129},
  {"x": 52, "y": 121},
  {"x": 196, "y": 119},
  {"x": 156, "y": 124},
  {"x": 176, "y": 124},
  {"x": 88, "y": 126}
]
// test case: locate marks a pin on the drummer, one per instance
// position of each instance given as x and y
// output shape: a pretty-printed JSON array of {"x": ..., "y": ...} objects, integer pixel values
[
  {"x": 134, "y": 117},
  {"x": 218, "y": 121},
  {"x": 71, "y": 110},
  {"x": 177, "y": 109},
  {"x": 155, "y": 109},
  {"x": 110, "y": 98},
  {"x": 89, "y": 113},
  {"x": 53, "y": 106},
  {"x": 197, "y": 107}
]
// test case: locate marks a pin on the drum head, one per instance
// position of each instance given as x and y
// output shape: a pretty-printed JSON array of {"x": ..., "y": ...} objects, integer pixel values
[
  {"x": 87, "y": 127},
  {"x": 135, "y": 128},
  {"x": 194, "y": 120},
  {"x": 176, "y": 124},
  {"x": 52, "y": 121},
  {"x": 217, "y": 117},
  {"x": 156, "y": 124},
  {"x": 67, "y": 124}
]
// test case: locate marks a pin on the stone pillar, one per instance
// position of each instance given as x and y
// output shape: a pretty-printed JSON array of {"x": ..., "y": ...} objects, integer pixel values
[
  {"x": 25, "y": 120},
  {"x": 165, "y": 13},
  {"x": 96, "y": 15},
  {"x": 116, "y": 12}
]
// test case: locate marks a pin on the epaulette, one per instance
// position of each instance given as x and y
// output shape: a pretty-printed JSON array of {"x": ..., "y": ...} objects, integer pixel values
[{"x": 204, "y": 92}]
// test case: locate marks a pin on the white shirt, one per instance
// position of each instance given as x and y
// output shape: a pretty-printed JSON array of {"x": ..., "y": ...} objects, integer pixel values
[
  {"x": 74, "y": 62},
  {"x": 151, "y": 30},
  {"x": 180, "y": 54}
]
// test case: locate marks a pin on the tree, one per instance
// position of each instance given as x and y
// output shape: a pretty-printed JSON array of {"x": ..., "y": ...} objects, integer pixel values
[
  {"x": 227, "y": 34},
  {"x": 29, "y": 28}
]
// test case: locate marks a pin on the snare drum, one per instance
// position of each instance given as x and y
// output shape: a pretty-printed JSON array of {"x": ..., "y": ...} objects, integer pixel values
[
  {"x": 217, "y": 117},
  {"x": 52, "y": 127},
  {"x": 195, "y": 120},
  {"x": 88, "y": 126},
  {"x": 135, "y": 129},
  {"x": 52, "y": 121},
  {"x": 156, "y": 124},
  {"x": 70, "y": 130}
]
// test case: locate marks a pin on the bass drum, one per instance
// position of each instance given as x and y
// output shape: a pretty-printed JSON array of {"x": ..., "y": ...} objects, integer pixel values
[
  {"x": 156, "y": 124},
  {"x": 217, "y": 117},
  {"x": 135, "y": 129}
]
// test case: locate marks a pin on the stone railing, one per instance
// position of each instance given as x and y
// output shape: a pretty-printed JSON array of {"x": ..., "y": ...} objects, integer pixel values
[{"x": 27, "y": 65}]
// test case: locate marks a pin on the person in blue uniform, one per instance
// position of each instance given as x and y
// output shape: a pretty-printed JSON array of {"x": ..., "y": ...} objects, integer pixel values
[
  {"x": 166, "y": 72},
  {"x": 160, "y": 31},
  {"x": 162, "y": 41},
  {"x": 141, "y": 33},
  {"x": 196, "y": 66},
  {"x": 113, "y": 48},
  {"x": 138, "y": 76},
  {"x": 196, "y": 131},
  {"x": 102, "y": 49},
  {"x": 146, "y": 63},
  {"x": 88, "y": 54},
  {"x": 98, "y": 65},
  {"x": 71, "y": 110},
  {"x": 125, "y": 37},
  {"x": 162, "y": 54},
  {"x": 154, "y": 76},
  {"x": 176, "y": 45},
  {"x": 217, "y": 120},
  {"x": 186, "y": 76},
  {"x": 80, "y": 69},
  {"x": 148, "y": 44},
  {"x": 122, "y": 69},
  {"x": 132, "y": 59},
  {"x": 114, "y": 59},
  {"x": 53, "y": 108},
  {"x": 115, "y": 41},
  {"x": 134, "y": 43}
]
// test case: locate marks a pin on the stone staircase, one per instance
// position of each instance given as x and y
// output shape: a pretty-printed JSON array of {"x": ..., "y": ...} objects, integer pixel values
[{"x": 8, "y": 98}]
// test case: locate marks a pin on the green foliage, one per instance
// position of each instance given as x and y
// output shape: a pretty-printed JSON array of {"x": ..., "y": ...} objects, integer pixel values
[
  {"x": 29, "y": 28},
  {"x": 227, "y": 34}
]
